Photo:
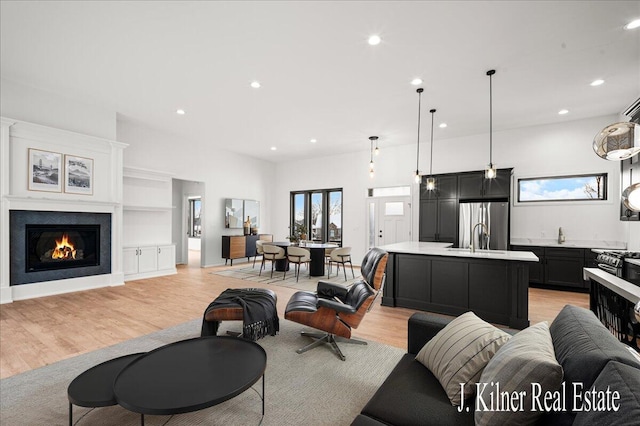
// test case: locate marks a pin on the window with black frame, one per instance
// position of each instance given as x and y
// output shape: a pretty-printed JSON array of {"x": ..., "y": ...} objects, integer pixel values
[
  {"x": 317, "y": 214},
  {"x": 563, "y": 188}
]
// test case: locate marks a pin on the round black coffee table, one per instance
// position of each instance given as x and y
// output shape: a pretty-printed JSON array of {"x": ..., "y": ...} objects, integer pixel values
[{"x": 190, "y": 375}]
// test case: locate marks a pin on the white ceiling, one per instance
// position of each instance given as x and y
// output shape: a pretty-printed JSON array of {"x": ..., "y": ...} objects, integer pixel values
[{"x": 320, "y": 79}]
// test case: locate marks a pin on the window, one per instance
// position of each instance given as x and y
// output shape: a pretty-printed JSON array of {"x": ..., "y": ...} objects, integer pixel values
[
  {"x": 563, "y": 188},
  {"x": 320, "y": 212},
  {"x": 195, "y": 227},
  {"x": 391, "y": 191}
]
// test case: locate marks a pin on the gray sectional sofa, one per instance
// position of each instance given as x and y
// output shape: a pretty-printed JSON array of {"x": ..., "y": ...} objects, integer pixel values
[{"x": 586, "y": 350}]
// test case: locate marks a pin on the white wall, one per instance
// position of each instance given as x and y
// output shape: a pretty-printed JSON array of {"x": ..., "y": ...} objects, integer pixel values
[
  {"x": 224, "y": 174},
  {"x": 558, "y": 149},
  {"x": 38, "y": 106}
]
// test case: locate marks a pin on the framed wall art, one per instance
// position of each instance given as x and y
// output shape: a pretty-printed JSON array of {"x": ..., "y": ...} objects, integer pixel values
[
  {"x": 78, "y": 175},
  {"x": 45, "y": 171}
]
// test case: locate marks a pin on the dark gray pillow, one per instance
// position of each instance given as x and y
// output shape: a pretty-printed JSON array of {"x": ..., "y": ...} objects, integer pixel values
[{"x": 619, "y": 378}]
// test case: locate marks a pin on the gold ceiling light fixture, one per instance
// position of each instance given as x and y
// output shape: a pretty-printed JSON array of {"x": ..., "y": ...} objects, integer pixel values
[
  {"x": 372, "y": 139},
  {"x": 431, "y": 181},
  {"x": 417, "y": 174},
  {"x": 618, "y": 141},
  {"x": 490, "y": 171}
]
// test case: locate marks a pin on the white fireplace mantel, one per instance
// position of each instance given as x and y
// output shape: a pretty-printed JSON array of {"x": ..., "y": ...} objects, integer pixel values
[{"x": 16, "y": 137}]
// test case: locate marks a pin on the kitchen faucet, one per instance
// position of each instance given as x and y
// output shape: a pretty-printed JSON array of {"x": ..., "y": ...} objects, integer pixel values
[{"x": 473, "y": 231}]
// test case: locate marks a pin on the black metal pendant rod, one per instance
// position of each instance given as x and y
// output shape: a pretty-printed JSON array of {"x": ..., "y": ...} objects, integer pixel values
[
  {"x": 420, "y": 90},
  {"x": 490, "y": 73},
  {"x": 433, "y": 111}
]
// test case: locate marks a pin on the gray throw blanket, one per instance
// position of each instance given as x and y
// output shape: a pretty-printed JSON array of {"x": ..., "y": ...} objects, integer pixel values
[{"x": 259, "y": 312}]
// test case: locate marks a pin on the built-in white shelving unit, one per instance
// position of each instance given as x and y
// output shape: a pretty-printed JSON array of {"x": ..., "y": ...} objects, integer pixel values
[{"x": 147, "y": 210}]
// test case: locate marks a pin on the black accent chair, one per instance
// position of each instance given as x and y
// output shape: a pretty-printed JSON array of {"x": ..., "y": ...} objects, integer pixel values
[{"x": 336, "y": 309}]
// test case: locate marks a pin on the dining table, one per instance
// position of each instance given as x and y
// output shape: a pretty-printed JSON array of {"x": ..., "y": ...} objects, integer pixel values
[{"x": 317, "y": 250}]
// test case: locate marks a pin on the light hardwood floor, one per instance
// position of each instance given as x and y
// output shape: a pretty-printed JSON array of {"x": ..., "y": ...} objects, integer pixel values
[{"x": 37, "y": 332}]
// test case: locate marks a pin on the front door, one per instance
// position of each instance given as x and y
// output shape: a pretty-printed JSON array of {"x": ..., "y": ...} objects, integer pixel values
[{"x": 388, "y": 220}]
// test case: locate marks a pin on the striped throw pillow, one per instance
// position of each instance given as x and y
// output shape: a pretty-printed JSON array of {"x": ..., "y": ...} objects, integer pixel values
[
  {"x": 459, "y": 352},
  {"x": 528, "y": 358}
]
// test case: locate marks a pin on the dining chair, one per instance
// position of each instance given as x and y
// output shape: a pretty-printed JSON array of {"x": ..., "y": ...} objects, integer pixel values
[
  {"x": 273, "y": 254},
  {"x": 341, "y": 256},
  {"x": 259, "y": 252},
  {"x": 298, "y": 256}
]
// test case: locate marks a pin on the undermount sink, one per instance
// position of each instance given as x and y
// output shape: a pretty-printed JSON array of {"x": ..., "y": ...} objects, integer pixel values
[{"x": 483, "y": 251}]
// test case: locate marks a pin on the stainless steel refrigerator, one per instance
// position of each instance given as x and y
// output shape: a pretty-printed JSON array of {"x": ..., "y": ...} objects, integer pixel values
[{"x": 494, "y": 215}]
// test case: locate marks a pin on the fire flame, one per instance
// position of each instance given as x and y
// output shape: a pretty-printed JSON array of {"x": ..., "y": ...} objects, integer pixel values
[{"x": 64, "y": 249}]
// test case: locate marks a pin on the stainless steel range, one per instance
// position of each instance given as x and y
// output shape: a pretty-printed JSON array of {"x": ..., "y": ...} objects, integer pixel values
[
  {"x": 614, "y": 263},
  {"x": 614, "y": 302}
]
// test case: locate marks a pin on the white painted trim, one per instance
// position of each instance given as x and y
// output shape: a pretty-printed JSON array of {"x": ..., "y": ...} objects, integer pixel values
[
  {"x": 151, "y": 274},
  {"x": 50, "y": 288},
  {"x": 38, "y": 132}
]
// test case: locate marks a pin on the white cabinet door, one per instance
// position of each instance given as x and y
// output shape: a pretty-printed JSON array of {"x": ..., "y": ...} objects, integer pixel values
[
  {"x": 147, "y": 259},
  {"x": 130, "y": 261},
  {"x": 166, "y": 257}
]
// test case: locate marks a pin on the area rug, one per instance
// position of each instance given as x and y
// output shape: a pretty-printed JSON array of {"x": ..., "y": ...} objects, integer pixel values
[
  {"x": 314, "y": 388},
  {"x": 304, "y": 282}
]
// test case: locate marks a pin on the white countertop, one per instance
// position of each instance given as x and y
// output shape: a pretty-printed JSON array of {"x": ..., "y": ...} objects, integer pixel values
[
  {"x": 591, "y": 244},
  {"x": 633, "y": 261},
  {"x": 444, "y": 249},
  {"x": 624, "y": 288}
]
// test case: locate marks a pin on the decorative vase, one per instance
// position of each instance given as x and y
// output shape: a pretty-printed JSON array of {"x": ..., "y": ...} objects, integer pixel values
[{"x": 247, "y": 226}]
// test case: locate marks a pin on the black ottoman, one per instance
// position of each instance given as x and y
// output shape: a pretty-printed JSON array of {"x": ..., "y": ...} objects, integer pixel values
[{"x": 256, "y": 307}]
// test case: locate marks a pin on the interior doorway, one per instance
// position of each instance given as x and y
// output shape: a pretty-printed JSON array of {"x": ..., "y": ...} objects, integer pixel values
[
  {"x": 388, "y": 220},
  {"x": 188, "y": 222}
]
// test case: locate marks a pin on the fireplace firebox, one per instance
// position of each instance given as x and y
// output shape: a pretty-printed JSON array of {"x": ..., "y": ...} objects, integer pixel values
[
  {"x": 55, "y": 245},
  {"x": 61, "y": 246}
]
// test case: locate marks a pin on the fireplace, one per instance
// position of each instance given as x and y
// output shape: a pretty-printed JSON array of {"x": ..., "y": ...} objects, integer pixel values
[
  {"x": 52, "y": 245},
  {"x": 61, "y": 246}
]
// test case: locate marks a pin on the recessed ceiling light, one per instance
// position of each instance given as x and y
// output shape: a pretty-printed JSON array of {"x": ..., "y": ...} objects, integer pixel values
[
  {"x": 313, "y": 140},
  {"x": 632, "y": 25},
  {"x": 180, "y": 112},
  {"x": 273, "y": 148},
  {"x": 597, "y": 82},
  {"x": 255, "y": 84},
  {"x": 374, "y": 40},
  {"x": 443, "y": 125},
  {"x": 563, "y": 111},
  {"x": 416, "y": 81}
]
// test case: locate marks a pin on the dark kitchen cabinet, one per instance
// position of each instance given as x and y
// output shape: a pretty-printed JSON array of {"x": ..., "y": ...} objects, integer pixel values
[
  {"x": 439, "y": 220},
  {"x": 473, "y": 185},
  {"x": 439, "y": 211},
  {"x": 563, "y": 267},
  {"x": 629, "y": 172},
  {"x": 560, "y": 267},
  {"x": 446, "y": 187}
]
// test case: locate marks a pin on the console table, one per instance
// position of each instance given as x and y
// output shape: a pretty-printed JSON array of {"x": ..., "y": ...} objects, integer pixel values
[{"x": 239, "y": 246}]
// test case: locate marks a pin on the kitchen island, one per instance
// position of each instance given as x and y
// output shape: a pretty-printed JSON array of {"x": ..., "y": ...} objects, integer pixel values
[{"x": 434, "y": 277}]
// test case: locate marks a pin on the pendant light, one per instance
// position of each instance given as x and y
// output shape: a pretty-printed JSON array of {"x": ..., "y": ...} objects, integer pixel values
[
  {"x": 431, "y": 181},
  {"x": 417, "y": 174},
  {"x": 618, "y": 141},
  {"x": 490, "y": 171},
  {"x": 371, "y": 139},
  {"x": 376, "y": 151}
]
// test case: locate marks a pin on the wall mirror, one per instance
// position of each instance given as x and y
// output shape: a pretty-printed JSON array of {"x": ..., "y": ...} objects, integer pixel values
[
  {"x": 252, "y": 209},
  {"x": 233, "y": 213}
]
